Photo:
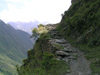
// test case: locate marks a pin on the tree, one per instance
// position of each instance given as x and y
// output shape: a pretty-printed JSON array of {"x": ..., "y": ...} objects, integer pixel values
[{"x": 35, "y": 33}]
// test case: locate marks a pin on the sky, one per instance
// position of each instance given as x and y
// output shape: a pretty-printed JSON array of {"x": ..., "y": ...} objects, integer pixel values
[{"x": 48, "y": 11}]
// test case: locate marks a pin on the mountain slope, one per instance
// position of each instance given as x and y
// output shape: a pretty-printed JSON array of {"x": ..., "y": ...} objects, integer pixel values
[
  {"x": 13, "y": 47},
  {"x": 80, "y": 26},
  {"x": 42, "y": 59}
]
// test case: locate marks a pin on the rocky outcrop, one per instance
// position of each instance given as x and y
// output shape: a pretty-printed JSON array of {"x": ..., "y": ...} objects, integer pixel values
[{"x": 65, "y": 51}]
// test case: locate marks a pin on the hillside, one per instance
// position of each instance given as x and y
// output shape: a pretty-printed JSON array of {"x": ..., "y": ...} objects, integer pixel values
[
  {"x": 13, "y": 47},
  {"x": 42, "y": 59},
  {"x": 81, "y": 26},
  {"x": 71, "y": 47}
]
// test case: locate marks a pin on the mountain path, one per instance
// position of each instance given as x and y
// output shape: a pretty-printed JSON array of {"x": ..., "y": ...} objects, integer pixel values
[{"x": 79, "y": 65}]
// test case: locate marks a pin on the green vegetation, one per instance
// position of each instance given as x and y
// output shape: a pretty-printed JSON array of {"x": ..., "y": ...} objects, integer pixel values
[
  {"x": 81, "y": 26},
  {"x": 13, "y": 47},
  {"x": 38, "y": 31},
  {"x": 42, "y": 29},
  {"x": 35, "y": 31},
  {"x": 41, "y": 60},
  {"x": 7, "y": 65}
]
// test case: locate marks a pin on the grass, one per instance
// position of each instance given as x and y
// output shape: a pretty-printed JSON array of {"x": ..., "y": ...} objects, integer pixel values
[{"x": 7, "y": 65}]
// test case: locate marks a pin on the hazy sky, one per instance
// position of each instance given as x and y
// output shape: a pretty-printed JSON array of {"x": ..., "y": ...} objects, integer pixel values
[{"x": 33, "y": 10}]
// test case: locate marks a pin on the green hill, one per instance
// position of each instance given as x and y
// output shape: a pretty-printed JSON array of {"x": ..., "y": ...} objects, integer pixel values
[{"x": 13, "y": 47}]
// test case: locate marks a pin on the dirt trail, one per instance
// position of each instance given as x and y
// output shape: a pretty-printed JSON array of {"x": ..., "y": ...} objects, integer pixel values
[{"x": 80, "y": 66}]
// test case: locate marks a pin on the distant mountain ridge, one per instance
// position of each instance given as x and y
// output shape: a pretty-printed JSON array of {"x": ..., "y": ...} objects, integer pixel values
[
  {"x": 13, "y": 47},
  {"x": 24, "y": 26}
]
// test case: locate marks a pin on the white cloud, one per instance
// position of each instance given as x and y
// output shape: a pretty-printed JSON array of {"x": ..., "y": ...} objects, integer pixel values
[
  {"x": 14, "y": 0},
  {"x": 30, "y": 10}
]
